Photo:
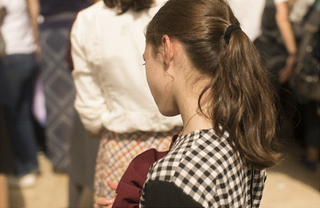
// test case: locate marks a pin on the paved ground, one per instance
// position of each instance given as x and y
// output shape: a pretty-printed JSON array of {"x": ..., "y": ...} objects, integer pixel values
[{"x": 289, "y": 185}]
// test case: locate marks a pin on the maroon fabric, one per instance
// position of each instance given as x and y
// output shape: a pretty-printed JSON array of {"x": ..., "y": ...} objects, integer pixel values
[{"x": 131, "y": 183}]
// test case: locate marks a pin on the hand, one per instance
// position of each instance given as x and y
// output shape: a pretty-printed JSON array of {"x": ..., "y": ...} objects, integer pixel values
[
  {"x": 285, "y": 73},
  {"x": 107, "y": 201},
  {"x": 104, "y": 202}
]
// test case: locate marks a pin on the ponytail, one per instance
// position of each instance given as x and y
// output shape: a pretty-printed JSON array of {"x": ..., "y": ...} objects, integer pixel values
[
  {"x": 249, "y": 100},
  {"x": 123, "y": 5}
]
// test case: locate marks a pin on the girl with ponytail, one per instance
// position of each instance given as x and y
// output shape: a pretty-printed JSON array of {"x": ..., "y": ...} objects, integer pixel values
[{"x": 201, "y": 65}]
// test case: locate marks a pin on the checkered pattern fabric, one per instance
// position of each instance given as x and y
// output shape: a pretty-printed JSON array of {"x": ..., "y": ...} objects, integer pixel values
[
  {"x": 206, "y": 168},
  {"x": 116, "y": 152}
]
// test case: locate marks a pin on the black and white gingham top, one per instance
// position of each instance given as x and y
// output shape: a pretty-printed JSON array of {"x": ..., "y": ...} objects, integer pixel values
[{"x": 202, "y": 170}]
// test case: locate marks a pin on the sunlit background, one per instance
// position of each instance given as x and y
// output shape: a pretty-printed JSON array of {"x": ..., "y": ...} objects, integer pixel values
[{"x": 289, "y": 185}]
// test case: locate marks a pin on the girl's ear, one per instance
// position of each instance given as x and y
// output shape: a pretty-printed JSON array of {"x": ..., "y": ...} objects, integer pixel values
[{"x": 168, "y": 52}]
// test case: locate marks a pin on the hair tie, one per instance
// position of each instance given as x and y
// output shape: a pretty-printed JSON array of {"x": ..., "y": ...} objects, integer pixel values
[{"x": 229, "y": 30}]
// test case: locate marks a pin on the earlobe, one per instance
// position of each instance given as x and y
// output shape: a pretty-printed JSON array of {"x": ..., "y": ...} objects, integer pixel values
[{"x": 167, "y": 45}]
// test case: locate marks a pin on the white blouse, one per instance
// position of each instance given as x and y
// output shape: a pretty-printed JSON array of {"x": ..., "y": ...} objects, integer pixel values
[
  {"x": 112, "y": 91},
  {"x": 249, "y": 14}
]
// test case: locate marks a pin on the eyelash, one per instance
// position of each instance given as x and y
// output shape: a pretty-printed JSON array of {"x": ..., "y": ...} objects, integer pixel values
[{"x": 143, "y": 64}]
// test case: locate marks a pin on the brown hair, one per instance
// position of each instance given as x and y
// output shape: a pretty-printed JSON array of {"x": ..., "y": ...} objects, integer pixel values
[
  {"x": 124, "y": 5},
  {"x": 242, "y": 95}
]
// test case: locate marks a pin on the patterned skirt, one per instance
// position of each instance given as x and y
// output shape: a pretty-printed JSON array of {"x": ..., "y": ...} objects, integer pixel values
[{"x": 116, "y": 152}]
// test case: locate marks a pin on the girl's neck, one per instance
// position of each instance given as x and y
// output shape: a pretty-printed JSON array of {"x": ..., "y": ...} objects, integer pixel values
[{"x": 195, "y": 121}]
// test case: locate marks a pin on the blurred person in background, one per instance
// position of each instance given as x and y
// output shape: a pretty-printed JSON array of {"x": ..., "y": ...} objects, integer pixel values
[
  {"x": 18, "y": 68},
  {"x": 278, "y": 49},
  {"x": 113, "y": 98},
  {"x": 277, "y": 41},
  {"x": 56, "y": 21},
  {"x": 286, "y": 23},
  {"x": 305, "y": 81},
  {"x": 288, "y": 38}
]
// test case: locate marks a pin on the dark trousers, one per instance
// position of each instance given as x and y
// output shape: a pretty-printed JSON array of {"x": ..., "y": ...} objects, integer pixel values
[{"x": 17, "y": 74}]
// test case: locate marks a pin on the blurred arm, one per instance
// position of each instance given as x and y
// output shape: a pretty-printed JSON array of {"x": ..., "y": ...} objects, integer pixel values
[{"x": 284, "y": 25}]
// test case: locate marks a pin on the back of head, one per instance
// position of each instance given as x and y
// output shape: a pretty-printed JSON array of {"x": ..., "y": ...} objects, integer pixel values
[
  {"x": 241, "y": 94},
  {"x": 123, "y": 5},
  {"x": 197, "y": 24}
]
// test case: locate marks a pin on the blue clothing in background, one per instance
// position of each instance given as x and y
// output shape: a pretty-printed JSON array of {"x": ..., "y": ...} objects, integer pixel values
[
  {"x": 17, "y": 75},
  {"x": 52, "y": 7}
]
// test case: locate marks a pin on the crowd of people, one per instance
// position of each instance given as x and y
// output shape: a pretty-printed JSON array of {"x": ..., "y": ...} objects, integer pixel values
[{"x": 144, "y": 101}]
